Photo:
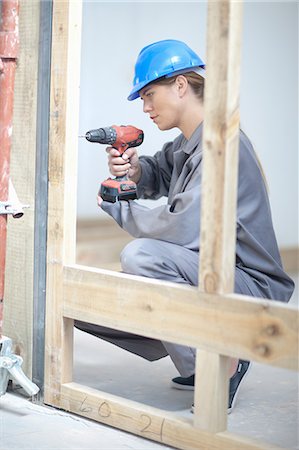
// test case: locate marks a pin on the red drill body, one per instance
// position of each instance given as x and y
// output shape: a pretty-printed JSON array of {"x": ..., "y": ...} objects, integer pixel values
[{"x": 121, "y": 138}]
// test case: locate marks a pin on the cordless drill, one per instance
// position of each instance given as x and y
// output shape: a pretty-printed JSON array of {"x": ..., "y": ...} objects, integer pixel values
[{"x": 121, "y": 138}]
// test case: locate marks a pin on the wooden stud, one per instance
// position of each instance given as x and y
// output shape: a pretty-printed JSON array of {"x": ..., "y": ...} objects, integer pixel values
[
  {"x": 211, "y": 391},
  {"x": 64, "y": 115},
  {"x": 219, "y": 193},
  {"x": 18, "y": 305},
  {"x": 220, "y": 147}
]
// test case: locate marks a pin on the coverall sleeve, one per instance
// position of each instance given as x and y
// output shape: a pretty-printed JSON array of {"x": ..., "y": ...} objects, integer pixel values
[{"x": 177, "y": 222}]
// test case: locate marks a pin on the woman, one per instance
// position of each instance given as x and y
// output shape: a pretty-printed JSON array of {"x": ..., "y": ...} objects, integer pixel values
[{"x": 169, "y": 79}]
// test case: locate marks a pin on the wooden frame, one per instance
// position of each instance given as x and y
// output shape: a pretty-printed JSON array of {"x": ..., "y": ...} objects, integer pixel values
[
  {"x": 19, "y": 284},
  {"x": 262, "y": 330}
]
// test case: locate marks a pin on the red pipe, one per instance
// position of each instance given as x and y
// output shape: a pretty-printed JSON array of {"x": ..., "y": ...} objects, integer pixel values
[{"x": 9, "y": 47}]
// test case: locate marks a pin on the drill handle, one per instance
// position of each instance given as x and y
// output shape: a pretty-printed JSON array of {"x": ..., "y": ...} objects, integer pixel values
[{"x": 121, "y": 147}]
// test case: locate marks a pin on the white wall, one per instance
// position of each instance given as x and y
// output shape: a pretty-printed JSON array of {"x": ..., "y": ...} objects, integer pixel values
[
  {"x": 269, "y": 105},
  {"x": 114, "y": 33}
]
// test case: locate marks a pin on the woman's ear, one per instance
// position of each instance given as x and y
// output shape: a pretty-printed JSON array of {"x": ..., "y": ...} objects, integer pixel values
[{"x": 182, "y": 85}]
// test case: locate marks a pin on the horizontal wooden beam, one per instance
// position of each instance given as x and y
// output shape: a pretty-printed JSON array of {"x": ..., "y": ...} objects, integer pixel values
[
  {"x": 233, "y": 325},
  {"x": 149, "y": 422}
]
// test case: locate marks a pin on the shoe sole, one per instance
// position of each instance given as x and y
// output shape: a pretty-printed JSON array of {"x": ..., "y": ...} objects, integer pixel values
[
  {"x": 229, "y": 410},
  {"x": 182, "y": 387}
]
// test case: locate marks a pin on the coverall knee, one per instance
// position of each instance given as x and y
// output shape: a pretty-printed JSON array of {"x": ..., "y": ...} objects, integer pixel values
[{"x": 166, "y": 261}]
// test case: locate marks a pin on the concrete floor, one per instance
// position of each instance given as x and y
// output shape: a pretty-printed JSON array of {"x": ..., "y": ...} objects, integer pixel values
[{"x": 267, "y": 406}]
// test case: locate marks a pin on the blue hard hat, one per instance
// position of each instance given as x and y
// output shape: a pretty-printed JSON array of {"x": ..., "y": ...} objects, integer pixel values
[{"x": 160, "y": 59}]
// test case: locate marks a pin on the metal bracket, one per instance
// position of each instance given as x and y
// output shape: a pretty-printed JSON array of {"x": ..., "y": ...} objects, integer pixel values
[
  {"x": 10, "y": 366},
  {"x": 15, "y": 210},
  {"x": 12, "y": 205}
]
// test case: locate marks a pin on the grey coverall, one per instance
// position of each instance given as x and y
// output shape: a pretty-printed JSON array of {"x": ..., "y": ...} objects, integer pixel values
[{"x": 167, "y": 244}]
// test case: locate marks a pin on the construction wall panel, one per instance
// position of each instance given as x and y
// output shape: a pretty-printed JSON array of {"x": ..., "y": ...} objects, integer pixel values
[{"x": 18, "y": 297}]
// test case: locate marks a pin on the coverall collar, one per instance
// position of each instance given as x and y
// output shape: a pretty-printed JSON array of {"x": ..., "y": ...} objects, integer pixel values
[{"x": 194, "y": 140}]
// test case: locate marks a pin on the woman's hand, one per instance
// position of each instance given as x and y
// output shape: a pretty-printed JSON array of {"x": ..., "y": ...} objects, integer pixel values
[
  {"x": 125, "y": 164},
  {"x": 120, "y": 165}
]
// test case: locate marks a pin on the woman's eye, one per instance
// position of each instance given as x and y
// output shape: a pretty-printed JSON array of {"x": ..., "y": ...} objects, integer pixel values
[{"x": 149, "y": 94}]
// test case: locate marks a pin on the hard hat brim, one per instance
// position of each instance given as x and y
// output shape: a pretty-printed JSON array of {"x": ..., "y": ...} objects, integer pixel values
[{"x": 200, "y": 70}]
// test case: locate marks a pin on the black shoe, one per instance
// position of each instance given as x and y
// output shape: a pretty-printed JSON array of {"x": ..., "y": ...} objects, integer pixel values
[
  {"x": 186, "y": 384},
  {"x": 234, "y": 384}
]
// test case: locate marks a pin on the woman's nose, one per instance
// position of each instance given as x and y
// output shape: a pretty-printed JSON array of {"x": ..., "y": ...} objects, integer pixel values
[{"x": 146, "y": 107}]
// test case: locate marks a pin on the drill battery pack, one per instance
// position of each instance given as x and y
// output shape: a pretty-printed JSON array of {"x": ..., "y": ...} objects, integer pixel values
[{"x": 114, "y": 189}]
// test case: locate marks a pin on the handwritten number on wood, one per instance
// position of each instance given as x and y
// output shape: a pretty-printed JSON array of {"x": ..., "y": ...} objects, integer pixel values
[
  {"x": 104, "y": 410},
  {"x": 148, "y": 422},
  {"x": 85, "y": 409}
]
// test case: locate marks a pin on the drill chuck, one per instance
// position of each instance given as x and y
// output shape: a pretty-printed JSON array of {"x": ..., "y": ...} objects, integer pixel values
[{"x": 106, "y": 135}]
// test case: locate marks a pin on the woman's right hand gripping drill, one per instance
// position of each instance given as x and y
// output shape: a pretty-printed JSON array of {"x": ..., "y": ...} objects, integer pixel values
[{"x": 125, "y": 164}]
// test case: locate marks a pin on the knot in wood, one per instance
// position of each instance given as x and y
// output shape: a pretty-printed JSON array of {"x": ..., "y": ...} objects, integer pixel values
[
  {"x": 211, "y": 281},
  {"x": 263, "y": 350},
  {"x": 18, "y": 349},
  {"x": 271, "y": 330},
  {"x": 209, "y": 144}
]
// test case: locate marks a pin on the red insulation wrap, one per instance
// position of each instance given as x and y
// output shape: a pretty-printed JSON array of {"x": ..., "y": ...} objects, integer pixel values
[{"x": 9, "y": 47}]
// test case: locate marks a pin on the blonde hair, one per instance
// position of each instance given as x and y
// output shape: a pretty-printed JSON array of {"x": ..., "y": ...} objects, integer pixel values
[{"x": 196, "y": 82}]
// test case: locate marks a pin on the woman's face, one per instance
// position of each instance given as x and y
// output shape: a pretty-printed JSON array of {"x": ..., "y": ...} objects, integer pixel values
[{"x": 162, "y": 103}]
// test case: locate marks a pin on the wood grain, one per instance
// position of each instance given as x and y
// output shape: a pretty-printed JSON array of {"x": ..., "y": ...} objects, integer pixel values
[
  {"x": 64, "y": 116},
  {"x": 150, "y": 423},
  {"x": 231, "y": 324},
  {"x": 219, "y": 196},
  {"x": 18, "y": 304},
  {"x": 221, "y": 324}
]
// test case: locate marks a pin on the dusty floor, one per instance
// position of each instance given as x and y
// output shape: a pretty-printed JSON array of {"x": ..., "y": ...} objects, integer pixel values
[{"x": 267, "y": 406}]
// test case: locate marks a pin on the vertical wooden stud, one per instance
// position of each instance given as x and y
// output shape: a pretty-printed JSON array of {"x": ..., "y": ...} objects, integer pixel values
[
  {"x": 19, "y": 270},
  {"x": 219, "y": 186},
  {"x": 64, "y": 117}
]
